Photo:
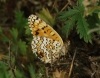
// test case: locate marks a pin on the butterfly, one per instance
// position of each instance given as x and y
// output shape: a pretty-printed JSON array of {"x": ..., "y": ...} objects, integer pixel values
[{"x": 46, "y": 44}]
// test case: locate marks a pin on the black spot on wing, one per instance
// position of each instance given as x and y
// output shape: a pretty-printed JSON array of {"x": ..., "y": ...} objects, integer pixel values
[
  {"x": 37, "y": 18},
  {"x": 44, "y": 31},
  {"x": 53, "y": 35},
  {"x": 43, "y": 28},
  {"x": 37, "y": 32}
]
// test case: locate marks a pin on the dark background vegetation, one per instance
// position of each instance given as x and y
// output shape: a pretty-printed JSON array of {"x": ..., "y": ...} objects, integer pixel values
[{"x": 75, "y": 20}]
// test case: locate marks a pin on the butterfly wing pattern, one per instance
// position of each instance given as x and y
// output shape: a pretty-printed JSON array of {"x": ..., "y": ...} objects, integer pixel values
[{"x": 46, "y": 43}]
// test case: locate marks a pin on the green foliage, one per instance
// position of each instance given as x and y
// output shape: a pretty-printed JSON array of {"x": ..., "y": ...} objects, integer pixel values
[
  {"x": 76, "y": 14},
  {"x": 3, "y": 70},
  {"x": 82, "y": 29},
  {"x": 47, "y": 17},
  {"x": 14, "y": 33},
  {"x": 16, "y": 50},
  {"x": 69, "y": 25},
  {"x": 17, "y": 44},
  {"x": 22, "y": 46},
  {"x": 32, "y": 72},
  {"x": 20, "y": 74},
  {"x": 27, "y": 30},
  {"x": 5, "y": 73},
  {"x": 4, "y": 38},
  {"x": 20, "y": 22},
  {"x": 69, "y": 13}
]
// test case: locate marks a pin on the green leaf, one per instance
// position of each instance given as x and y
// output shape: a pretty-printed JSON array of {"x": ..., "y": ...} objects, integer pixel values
[
  {"x": 80, "y": 3},
  {"x": 14, "y": 33},
  {"x": 69, "y": 25},
  {"x": 82, "y": 29},
  {"x": 20, "y": 22},
  {"x": 3, "y": 70},
  {"x": 76, "y": 14},
  {"x": 32, "y": 71},
  {"x": 13, "y": 61},
  {"x": 47, "y": 17},
  {"x": 22, "y": 46},
  {"x": 4, "y": 38},
  {"x": 27, "y": 30},
  {"x": 69, "y": 13},
  {"x": 19, "y": 74}
]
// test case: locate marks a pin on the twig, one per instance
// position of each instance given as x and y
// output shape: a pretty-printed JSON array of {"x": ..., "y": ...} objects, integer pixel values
[
  {"x": 64, "y": 6},
  {"x": 55, "y": 2},
  {"x": 47, "y": 76},
  {"x": 71, "y": 67}
]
